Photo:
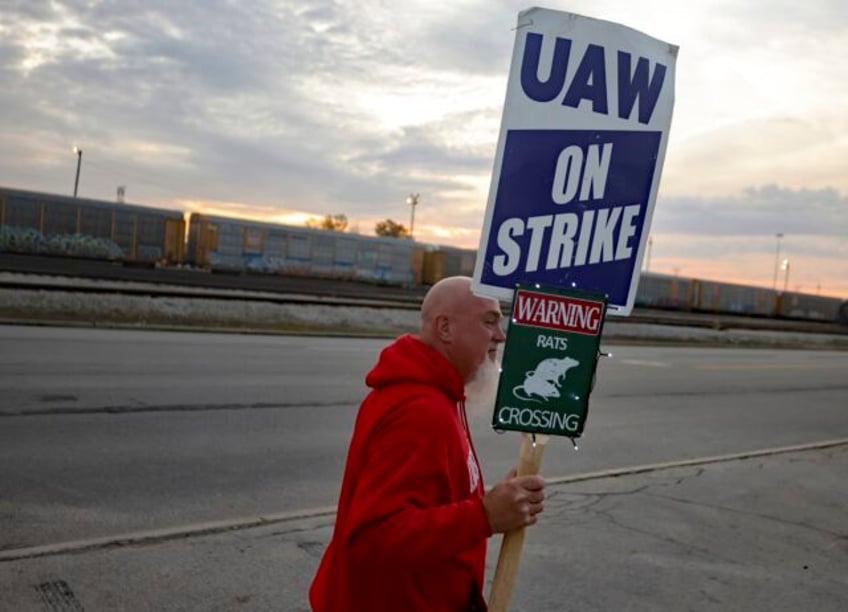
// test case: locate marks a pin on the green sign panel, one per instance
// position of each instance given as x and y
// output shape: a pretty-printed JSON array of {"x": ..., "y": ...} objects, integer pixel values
[{"x": 551, "y": 352}]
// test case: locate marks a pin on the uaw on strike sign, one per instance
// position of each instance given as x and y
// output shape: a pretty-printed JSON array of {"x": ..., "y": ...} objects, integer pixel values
[{"x": 582, "y": 141}]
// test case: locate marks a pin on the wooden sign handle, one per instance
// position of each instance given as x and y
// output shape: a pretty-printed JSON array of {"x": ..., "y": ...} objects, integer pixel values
[{"x": 529, "y": 462}]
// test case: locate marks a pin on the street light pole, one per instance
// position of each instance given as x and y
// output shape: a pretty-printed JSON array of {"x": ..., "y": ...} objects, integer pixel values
[
  {"x": 412, "y": 200},
  {"x": 785, "y": 267},
  {"x": 78, "y": 151},
  {"x": 776, "y": 261}
]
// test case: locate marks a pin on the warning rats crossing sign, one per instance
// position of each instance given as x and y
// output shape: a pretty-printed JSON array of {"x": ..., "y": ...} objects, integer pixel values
[
  {"x": 549, "y": 362},
  {"x": 579, "y": 157}
]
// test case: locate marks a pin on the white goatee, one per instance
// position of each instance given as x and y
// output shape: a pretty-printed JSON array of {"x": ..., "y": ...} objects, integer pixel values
[{"x": 481, "y": 390}]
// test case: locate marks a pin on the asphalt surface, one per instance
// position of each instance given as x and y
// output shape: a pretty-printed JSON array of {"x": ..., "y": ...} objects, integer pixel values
[
  {"x": 764, "y": 533},
  {"x": 104, "y": 432},
  {"x": 642, "y": 518}
]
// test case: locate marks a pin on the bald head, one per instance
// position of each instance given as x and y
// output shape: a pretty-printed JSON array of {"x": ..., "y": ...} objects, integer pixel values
[
  {"x": 463, "y": 327},
  {"x": 448, "y": 296}
]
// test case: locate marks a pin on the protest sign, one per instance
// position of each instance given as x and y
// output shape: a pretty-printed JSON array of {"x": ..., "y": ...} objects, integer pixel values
[
  {"x": 577, "y": 168},
  {"x": 582, "y": 141}
]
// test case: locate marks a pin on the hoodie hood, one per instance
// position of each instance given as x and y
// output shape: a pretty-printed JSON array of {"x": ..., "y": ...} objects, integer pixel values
[{"x": 410, "y": 360}]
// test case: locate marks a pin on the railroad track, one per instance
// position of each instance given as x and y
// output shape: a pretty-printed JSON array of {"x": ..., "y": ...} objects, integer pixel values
[
  {"x": 143, "y": 289},
  {"x": 26, "y": 272}
]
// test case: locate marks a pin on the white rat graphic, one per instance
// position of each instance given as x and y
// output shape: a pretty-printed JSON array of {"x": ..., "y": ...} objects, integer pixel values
[{"x": 545, "y": 380}]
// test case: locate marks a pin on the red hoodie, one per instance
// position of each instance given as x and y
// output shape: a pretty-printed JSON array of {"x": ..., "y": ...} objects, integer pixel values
[{"x": 411, "y": 529}]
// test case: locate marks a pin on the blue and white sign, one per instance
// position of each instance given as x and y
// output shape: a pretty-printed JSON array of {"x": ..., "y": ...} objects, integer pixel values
[{"x": 580, "y": 153}]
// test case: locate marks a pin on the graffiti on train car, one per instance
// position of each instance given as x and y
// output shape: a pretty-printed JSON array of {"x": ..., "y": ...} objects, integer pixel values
[
  {"x": 218, "y": 243},
  {"x": 46, "y": 224}
]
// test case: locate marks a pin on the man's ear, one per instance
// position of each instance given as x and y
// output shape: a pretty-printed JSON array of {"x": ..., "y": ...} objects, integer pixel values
[{"x": 444, "y": 329}]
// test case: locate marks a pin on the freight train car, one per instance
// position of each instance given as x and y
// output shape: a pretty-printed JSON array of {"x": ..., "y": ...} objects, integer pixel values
[
  {"x": 234, "y": 245},
  {"x": 672, "y": 292},
  {"x": 814, "y": 307},
  {"x": 443, "y": 261},
  {"x": 712, "y": 296},
  {"x": 662, "y": 291},
  {"x": 49, "y": 224}
]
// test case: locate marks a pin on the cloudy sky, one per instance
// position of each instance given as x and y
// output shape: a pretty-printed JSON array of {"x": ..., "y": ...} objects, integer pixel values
[{"x": 282, "y": 109}]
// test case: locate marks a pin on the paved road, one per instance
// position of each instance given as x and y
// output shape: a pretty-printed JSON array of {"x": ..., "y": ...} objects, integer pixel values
[{"x": 105, "y": 432}]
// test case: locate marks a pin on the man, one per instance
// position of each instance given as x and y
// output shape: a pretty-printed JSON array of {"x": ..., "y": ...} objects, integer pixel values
[{"x": 413, "y": 519}]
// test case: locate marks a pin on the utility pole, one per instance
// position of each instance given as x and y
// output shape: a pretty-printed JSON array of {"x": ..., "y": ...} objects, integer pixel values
[
  {"x": 412, "y": 200},
  {"x": 78, "y": 151},
  {"x": 785, "y": 267},
  {"x": 776, "y": 261}
]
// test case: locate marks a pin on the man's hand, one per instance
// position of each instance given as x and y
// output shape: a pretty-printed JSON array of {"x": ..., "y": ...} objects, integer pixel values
[{"x": 514, "y": 502}]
